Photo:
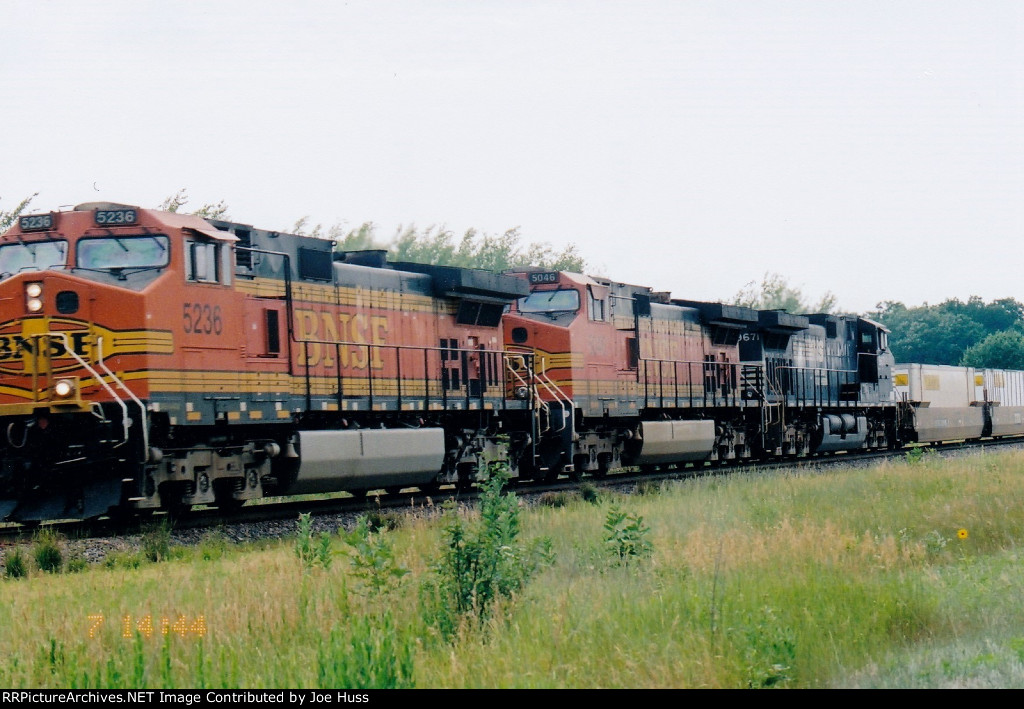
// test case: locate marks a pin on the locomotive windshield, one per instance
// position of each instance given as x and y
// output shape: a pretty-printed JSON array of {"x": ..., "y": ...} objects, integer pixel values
[
  {"x": 33, "y": 256},
  {"x": 550, "y": 301},
  {"x": 123, "y": 252}
]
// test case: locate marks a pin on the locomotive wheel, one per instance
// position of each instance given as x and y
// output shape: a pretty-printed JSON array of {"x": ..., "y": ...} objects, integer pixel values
[
  {"x": 229, "y": 504},
  {"x": 393, "y": 489},
  {"x": 177, "y": 510},
  {"x": 225, "y": 500},
  {"x": 545, "y": 475},
  {"x": 123, "y": 514},
  {"x": 465, "y": 472},
  {"x": 430, "y": 488},
  {"x": 579, "y": 463},
  {"x": 549, "y": 462}
]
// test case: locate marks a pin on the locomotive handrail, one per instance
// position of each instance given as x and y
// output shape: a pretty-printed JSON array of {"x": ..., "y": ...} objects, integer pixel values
[
  {"x": 125, "y": 421},
  {"x": 512, "y": 370},
  {"x": 818, "y": 396},
  {"x": 370, "y": 348},
  {"x": 536, "y": 404},
  {"x": 766, "y": 416},
  {"x": 556, "y": 392},
  {"x": 693, "y": 378},
  {"x": 142, "y": 407},
  {"x": 817, "y": 369},
  {"x": 541, "y": 377}
]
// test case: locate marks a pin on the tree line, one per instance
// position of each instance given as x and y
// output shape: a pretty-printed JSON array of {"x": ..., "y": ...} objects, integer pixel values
[{"x": 971, "y": 334}]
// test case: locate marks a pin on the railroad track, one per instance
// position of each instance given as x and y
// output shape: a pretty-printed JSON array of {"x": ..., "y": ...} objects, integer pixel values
[{"x": 289, "y": 509}]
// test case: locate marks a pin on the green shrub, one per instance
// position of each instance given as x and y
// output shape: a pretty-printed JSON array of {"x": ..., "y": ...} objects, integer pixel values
[
  {"x": 212, "y": 546},
  {"x": 15, "y": 565},
  {"x": 934, "y": 542},
  {"x": 47, "y": 551},
  {"x": 589, "y": 492},
  {"x": 76, "y": 564},
  {"x": 156, "y": 542},
  {"x": 920, "y": 454},
  {"x": 626, "y": 535},
  {"x": 378, "y": 520},
  {"x": 123, "y": 560},
  {"x": 554, "y": 499},
  {"x": 770, "y": 651},
  {"x": 648, "y": 487}
]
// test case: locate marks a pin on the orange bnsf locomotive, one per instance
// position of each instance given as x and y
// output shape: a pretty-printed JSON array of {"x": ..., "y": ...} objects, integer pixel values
[
  {"x": 156, "y": 360},
  {"x": 628, "y": 376},
  {"x": 152, "y": 360}
]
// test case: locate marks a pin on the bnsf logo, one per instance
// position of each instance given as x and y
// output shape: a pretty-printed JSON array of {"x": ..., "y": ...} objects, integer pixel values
[
  {"x": 16, "y": 346},
  {"x": 37, "y": 345}
]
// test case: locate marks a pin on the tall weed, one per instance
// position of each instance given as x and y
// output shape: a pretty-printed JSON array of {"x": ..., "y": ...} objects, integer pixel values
[
  {"x": 371, "y": 655},
  {"x": 482, "y": 560},
  {"x": 312, "y": 551},
  {"x": 372, "y": 557},
  {"x": 156, "y": 542}
]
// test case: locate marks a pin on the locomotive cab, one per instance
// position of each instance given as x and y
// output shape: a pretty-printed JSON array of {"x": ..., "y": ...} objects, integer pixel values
[
  {"x": 77, "y": 349},
  {"x": 622, "y": 375}
]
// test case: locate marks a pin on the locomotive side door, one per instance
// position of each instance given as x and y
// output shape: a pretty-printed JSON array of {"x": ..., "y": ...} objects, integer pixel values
[{"x": 867, "y": 352}]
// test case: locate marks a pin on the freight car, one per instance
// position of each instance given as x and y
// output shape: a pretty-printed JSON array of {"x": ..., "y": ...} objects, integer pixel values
[
  {"x": 152, "y": 360},
  {"x": 952, "y": 403}
]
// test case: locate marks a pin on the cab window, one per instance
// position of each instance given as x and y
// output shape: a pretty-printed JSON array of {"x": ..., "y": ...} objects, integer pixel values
[
  {"x": 121, "y": 252},
  {"x": 207, "y": 262},
  {"x": 595, "y": 305},
  {"x": 550, "y": 301},
  {"x": 33, "y": 256}
]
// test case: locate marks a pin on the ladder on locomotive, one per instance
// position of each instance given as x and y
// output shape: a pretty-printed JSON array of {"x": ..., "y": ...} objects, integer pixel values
[{"x": 755, "y": 383}]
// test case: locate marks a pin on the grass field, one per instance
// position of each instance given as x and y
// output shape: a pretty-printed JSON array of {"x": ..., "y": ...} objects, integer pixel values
[{"x": 904, "y": 575}]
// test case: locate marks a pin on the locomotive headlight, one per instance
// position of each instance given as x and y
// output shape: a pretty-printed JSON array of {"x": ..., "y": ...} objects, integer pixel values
[
  {"x": 64, "y": 388},
  {"x": 34, "y": 296}
]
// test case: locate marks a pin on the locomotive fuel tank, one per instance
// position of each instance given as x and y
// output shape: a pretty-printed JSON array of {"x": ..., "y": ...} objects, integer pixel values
[
  {"x": 366, "y": 459},
  {"x": 660, "y": 442}
]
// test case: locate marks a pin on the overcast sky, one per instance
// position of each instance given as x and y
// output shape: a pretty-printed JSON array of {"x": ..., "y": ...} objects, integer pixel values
[{"x": 870, "y": 149}]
